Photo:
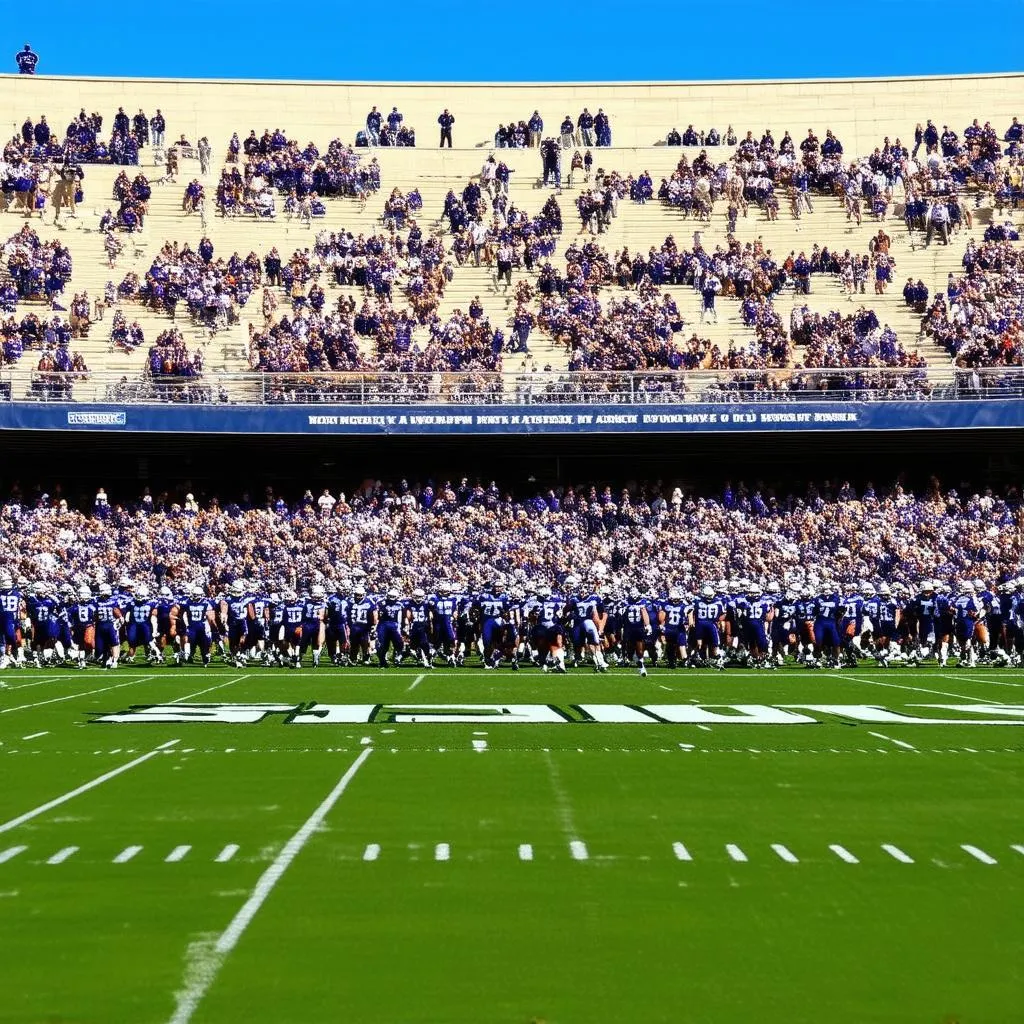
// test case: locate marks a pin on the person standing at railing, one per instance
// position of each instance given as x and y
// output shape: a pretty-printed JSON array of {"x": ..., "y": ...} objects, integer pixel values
[
  {"x": 446, "y": 120},
  {"x": 26, "y": 61}
]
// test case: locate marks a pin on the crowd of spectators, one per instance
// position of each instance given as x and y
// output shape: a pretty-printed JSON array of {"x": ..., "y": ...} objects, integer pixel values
[
  {"x": 83, "y": 141},
  {"x": 37, "y": 269},
  {"x": 587, "y": 129},
  {"x": 211, "y": 289},
  {"x": 654, "y": 534},
  {"x": 980, "y": 318}
]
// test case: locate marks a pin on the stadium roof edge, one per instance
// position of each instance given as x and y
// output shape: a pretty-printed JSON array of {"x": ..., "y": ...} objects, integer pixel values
[{"x": 710, "y": 83}]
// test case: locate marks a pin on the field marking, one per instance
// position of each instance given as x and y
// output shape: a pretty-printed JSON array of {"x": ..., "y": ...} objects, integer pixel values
[
  {"x": 11, "y": 852},
  {"x": 209, "y": 689},
  {"x": 843, "y": 853},
  {"x": 919, "y": 689},
  {"x": 372, "y": 851},
  {"x": 785, "y": 853},
  {"x": 735, "y": 853},
  {"x": 978, "y": 854},
  {"x": 205, "y": 962},
  {"x": 179, "y": 853},
  {"x": 226, "y": 854},
  {"x": 525, "y": 851},
  {"x": 416, "y": 682},
  {"x": 127, "y": 854},
  {"x": 899, "y": 743},
  {"x": 36, "y": 735},
  {"x": 62, "y": 855},
  {"x": 442, "y": 852},
  {"x": 897, "y": 854},
  {"x": 983, "y": 682},
  {"x": 579, "y": 850},
  {"x": 562, "y": 805},
  {"x": 704, "y": 728},
  {"x": 1018, "y": 848},
  {"x": 84, "y": 788},
  {"x": 479, "y": 746},
  {"x": 38, "y": 682},
  {"x": 681, "y": 852},
  {"x": 72, "y": 696}
]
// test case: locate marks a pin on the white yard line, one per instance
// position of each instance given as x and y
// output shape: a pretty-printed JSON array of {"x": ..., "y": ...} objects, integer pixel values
[
  {"x": 38, "y": 682},
  {"x": 442, "y": 852},
  {"x": 227, "y": 853},
  {"x": 479, "y": 746},
  {"x": 983, "y": 682},
  {"x": 72, "y": 696},
  {"x": 899, "y": 743},
  {"x": 785, "y": 853},
  {"x": 977, "y": 854},
  {"x": 525, "y": 851},
  {"x": 209, "y": 689},
  {"x": 562, "y": 805},
  {"x": 843, "y": 853},
  {"x": 10, "y": 853},
  {"x": 62, "y": 855},
  {"x": 84, "y": 788},
  {"x": 202, "y": 971},
  {"x": 416, "y": 682},
  {"x": 918, "y": 689},
  {"x": 704, "y": 728},
  {"x": 681, "y": 852},
  {"x": 735, "y": 853},
  {"x": 372, "y": 851},
  {"x": 35, "y": 735},
  {"x": 179, "y": 853},
  {"x": 127, "y": 854},
  {"x": 1018, "y": 848},
  {"x": 896, "y": 853}
]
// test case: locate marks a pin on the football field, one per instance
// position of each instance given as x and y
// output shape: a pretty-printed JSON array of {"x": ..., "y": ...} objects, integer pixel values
[{"x": 466, "y": 847}]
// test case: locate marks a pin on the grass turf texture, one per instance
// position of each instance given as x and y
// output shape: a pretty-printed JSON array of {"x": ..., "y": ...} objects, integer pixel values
[{"x": 631, "y": 932}]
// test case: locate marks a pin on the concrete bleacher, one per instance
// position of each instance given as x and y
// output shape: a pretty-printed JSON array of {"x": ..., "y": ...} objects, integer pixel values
[{"x": 861, "y": 113}]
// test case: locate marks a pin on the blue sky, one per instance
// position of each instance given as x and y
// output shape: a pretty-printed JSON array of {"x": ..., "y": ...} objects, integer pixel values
[{"x": 585, "y": 40}]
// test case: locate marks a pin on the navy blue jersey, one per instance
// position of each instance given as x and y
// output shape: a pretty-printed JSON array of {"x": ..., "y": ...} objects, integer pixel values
[
  {"x": 392, "y": 610},
  {"x": 675, "y": 615},
  {"x": 141, "y": 610},
  {"x": 313, "y": 610},
  {"x": 362, "y": 611},
  {"x": 709, "y": 609},
  {"x": 826, "y": 606}
]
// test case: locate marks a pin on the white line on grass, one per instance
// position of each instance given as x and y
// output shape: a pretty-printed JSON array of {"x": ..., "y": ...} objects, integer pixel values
[
  {"x": 11, "y": 853},
  {"x": 681, "y": 852},
  {"x": 416, "y": 682},
  {"x": 479, "y": 746},
  {"x": 202, "y": 971},
  {"x": 372, "y": 851},
  {"x": 899, "y": 743},
  {"x": 62, "y": 855},
  {"x": 126, "y": 854},
  {"x": 978, "y": 854},
  {"x": 177, "y": 854},
  {"x": 1018, "y": 848},
  {"x": 896, "y": 853},
  {"x": 578, "y": 849},
  {"x": 704, "y": 728},
  {"x": 919, "y": 689},
  {"x": 227, "y": 853},
  {"x": 984, "y": 682},
  {"x": 209, "y": 689},
  {"x": 35, "y": 735},
  {"x": 36, "y": 682},
  {"x": 843, "y": 853},
  {"x": 525, "y": 851},
  {"x": 84, "y": 788},
  {"x": 735, "y": 853},
  {"x": 442, "y": 852},
  {"x": 72, "y": 696},
  {"x": 785, "y": 853}
]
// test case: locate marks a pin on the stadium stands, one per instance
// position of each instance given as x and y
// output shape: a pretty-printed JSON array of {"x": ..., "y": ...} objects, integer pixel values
[{"x": 198, "y": 261}]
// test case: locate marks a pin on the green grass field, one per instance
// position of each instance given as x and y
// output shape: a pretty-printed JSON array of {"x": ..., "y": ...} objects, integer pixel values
[{"x": 500, "y": 870}]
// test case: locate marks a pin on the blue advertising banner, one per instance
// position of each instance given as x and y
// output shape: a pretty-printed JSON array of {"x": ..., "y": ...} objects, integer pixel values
[{"x": 514, "y": 419}]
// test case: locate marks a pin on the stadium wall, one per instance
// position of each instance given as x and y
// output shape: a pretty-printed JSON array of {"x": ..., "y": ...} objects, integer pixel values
[{"x": 860, "y": 111}]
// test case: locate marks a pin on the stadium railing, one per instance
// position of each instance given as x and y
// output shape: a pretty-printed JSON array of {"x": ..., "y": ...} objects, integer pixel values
[{"x": 483, "y": 388}]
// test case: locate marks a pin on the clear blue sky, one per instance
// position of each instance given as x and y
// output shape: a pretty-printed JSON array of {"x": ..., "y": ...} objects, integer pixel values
[{"x": 523, "y": 40}]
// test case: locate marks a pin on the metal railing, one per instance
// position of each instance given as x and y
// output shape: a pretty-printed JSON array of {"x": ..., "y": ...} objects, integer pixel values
[{"x": 548, "y": 388}]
